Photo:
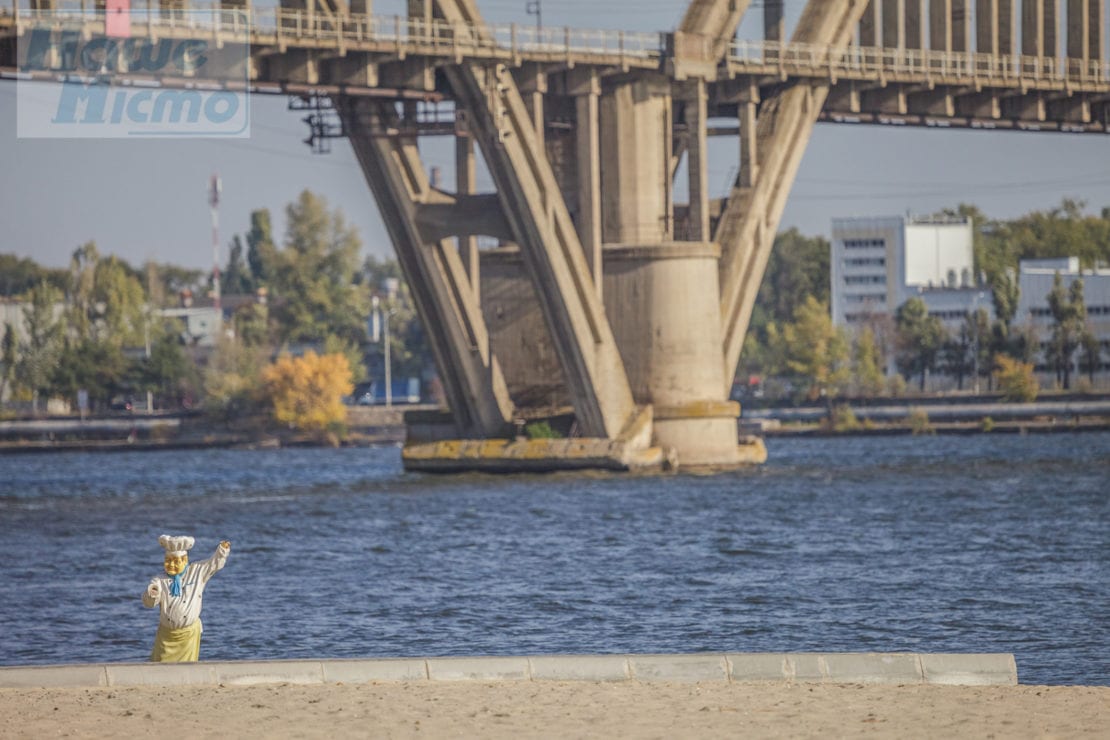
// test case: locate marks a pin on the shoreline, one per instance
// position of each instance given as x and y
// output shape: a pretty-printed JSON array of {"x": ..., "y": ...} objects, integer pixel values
[{"x": 559, "y": 709}]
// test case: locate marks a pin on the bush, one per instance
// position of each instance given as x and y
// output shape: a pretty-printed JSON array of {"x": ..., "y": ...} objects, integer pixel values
[
  {"x": 844, "y": 419},
  {"x": 1016, "y": 379},
  {"x": 541, "y": 430},
  {"x": 986, "y": 425},
  {"x": 307, "y": 392},
  {"x": 918, "y": 420}
]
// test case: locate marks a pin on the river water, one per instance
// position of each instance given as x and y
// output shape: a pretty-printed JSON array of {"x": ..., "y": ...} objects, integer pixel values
[{"x": 984, "y": 543}]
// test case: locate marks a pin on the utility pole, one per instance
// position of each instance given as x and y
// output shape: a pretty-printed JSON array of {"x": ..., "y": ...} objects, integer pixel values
[
  {"x": 215, "y": 186},
  {"x": 535, "y": 8},
  {"x": 975, "y": 318}
]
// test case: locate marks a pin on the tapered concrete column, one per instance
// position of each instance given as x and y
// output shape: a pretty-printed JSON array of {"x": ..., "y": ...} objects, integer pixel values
[
  {"x": 1096, "y": 10},
  {"x": 894, "y": 24},
  {"x": 995, "y": 26},
  {"x": 961, "y": 25},
  {"x": 749, "y": 150},
  {"x": 465, "y": 184},
  {"x": 916, "y": 13},
  {"x": 1032, "y": 28},
  {"x": 697, "y": 161},
  {"x": 667, "y": 322},
  {"x": 636, "y": 203},
  {"x": 774, "y": 26},
  {"x": 1051, "y": 27},
  {"x": 1084, "y": 18},
  {"x": 869, "y": 25},
  {"x": 588, "y": 148},
  {"x": 940, "y": 25},
  {"x": 533, "y": 85},
  {"x": 1039, "y": 28}
]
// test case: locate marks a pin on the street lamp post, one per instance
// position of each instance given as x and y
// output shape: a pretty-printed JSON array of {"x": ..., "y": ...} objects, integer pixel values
[
  {"x": 383, "y": 316},
  {"x": 533, "y": 7},
  {"x": 388, "y": 361},
  {"x": 975, "y": 356}
]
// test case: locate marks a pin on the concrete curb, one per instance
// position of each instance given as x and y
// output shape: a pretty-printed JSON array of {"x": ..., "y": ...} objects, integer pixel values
[{"x": 967, "y": 669}]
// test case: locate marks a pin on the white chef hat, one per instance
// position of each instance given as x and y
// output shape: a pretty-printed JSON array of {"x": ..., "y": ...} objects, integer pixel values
[{"x": 179, "y": 545}]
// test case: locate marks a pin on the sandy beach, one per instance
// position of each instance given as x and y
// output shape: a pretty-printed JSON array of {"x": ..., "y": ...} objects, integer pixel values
[{"x": 511, "y": 709}]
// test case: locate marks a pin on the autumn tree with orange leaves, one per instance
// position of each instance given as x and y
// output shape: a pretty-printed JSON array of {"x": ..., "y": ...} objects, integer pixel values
[{"x": 307, "y": 392}]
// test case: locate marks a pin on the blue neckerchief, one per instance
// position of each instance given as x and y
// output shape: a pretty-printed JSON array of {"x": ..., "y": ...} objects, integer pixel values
[{"x": 175, "y": 586}]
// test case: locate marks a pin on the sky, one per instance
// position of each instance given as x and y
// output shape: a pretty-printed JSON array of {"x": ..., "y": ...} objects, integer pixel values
[{"x": 147, "y": 200}]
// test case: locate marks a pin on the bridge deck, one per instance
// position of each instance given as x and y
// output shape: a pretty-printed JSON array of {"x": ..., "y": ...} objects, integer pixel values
[{"x": 270, "y": 30}]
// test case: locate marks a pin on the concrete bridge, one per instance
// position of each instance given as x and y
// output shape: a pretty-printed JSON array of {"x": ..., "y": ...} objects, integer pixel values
[{"x": 605, "y": 300}]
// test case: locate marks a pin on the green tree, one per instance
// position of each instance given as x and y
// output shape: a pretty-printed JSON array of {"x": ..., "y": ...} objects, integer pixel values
[
  {"x": 1069, "y": 317},
  {"x": 313, "y": 282},
  {"x": 1090, "y": 353},
  {"x": 816, "y": 351},
  {"x": 867, "y": 364},
  {"x": 236, "y": 279},
  {"x": 251, "y": 323},
  {"x": 919, "y": 338},
  {"x": 969, "y": 351},
  {"x": 169, "y": 373},
  {"x": 174, "y": 282},
  {"x": 42, "y": 344},
  {"x": 232, "y": 379},
  {"x": 798, "y": 268},
  {"x": 18, "y": 275},
  {"x": 96, "y": 365},
  {"x": 8, "y": 359},
  {"x": 106, "y": 299},
  {"x": 261, "y": 250}
]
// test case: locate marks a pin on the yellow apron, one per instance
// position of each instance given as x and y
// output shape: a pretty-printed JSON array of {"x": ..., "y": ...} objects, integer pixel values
[{"x": 177, "y": 646}]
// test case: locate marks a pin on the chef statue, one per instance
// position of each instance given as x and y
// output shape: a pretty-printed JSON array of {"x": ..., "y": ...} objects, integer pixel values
[{"x": 179, "y": 595}]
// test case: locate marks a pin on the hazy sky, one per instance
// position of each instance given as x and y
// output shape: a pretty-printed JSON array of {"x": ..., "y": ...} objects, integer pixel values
[{"x": 148, "y": 199}]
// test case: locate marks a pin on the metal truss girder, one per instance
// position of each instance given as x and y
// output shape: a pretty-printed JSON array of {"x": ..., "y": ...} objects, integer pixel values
[
  {"x": 746, "y": 230},
  {"x": 552, "y": 253},
  {"x": 446, "y": 302}
]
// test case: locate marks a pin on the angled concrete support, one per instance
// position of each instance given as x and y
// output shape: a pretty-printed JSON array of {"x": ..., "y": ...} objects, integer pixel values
[
  {"x": 541, "y": 224},
  {"x": 444, "y": 299},
  {"x": 746, "y": 230},
  {"x": 716, "y": 21},
  {"x": 588, "y": 150},
  {"x": 465, "y": 184}
]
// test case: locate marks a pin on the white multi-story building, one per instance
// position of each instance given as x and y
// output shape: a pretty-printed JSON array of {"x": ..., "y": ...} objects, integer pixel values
[{"x": 878, "y": 264}]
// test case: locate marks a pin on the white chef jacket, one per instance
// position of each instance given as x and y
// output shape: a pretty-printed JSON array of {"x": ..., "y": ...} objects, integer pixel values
[{"x": 181, "y": 611}]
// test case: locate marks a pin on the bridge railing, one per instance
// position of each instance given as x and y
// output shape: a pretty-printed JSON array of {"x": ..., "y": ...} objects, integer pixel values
[
  {"x": 511, "y": 40},
  {"x": 880, "y": 63},
  {"x": 300, "y": 24}
]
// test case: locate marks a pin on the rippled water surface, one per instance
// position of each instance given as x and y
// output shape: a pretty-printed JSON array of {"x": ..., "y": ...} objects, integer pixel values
[{"x": 959, "y": 544}]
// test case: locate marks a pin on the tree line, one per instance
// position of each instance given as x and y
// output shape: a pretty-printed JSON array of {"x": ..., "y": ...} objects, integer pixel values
[
  {"x": 792, "y": 337},
  {"x": 97, "y": 325}
]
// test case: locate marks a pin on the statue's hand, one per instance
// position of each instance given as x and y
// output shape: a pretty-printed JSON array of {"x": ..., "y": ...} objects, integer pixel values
[
  {"x": 226, "y": 544},
  {"x": 154, "y": 590}
]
